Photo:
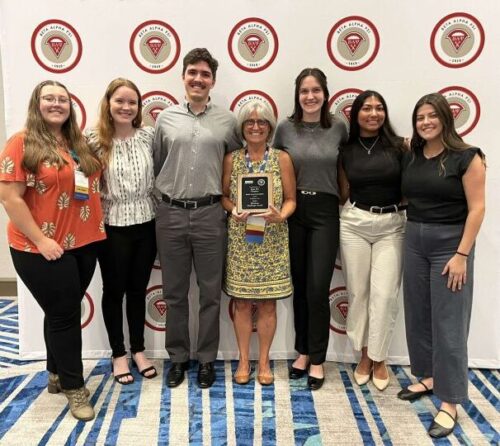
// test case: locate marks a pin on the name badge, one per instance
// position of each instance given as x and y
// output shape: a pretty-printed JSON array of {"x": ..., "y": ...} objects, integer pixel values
[
  {"x": 81, "y": 186},
  {"x": 254, "y": 230}
]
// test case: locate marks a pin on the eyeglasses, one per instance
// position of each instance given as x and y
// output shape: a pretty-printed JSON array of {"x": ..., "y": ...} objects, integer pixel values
[
  {"x": 260, "y": 123},
  {"x": 53, "y": 100}
]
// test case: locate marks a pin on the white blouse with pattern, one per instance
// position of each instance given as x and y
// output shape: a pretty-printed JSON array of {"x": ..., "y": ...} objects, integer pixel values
[{"x": 128, "y": 180}]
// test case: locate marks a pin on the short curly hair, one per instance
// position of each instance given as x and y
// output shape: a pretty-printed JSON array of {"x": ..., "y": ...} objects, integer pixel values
[{"x": 200, "y": 55}]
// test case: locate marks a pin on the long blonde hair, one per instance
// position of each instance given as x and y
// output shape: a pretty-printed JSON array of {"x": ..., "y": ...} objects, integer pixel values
[
  {"x": 105, "y": 126},
  {"x": 41, "y": 145}
]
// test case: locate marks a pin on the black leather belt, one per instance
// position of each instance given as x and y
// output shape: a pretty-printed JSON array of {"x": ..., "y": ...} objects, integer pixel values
[
  {"x": 192, "y": 204},
  {"x": 381, "y": 209}
]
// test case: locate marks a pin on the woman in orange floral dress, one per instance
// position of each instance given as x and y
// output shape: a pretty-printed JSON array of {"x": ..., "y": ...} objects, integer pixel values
[{"x": 49, "y": 186}]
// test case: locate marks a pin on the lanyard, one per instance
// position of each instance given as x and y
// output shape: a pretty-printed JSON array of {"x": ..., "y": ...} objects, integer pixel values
[
  {"x": 75, "y": 158},
  {"x": 263, "y": 164}
]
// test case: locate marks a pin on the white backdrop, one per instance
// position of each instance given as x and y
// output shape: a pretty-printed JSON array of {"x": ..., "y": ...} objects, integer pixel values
[{"x": 402, "y": 49}]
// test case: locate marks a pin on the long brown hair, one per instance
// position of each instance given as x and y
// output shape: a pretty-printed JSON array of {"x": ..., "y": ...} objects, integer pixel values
[
  {"x": 40, "y": 145},
  {"x": 325, "y": 116},
  {"x": 450, "y": 139},
  {"x": 387, "y": 133},
  {"x": 105, "y": 125}
]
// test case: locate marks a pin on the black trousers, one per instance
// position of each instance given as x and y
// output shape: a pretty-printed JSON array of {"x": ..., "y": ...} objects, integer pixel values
[
  {"x": 59, "y": 286},
  {"x": 126, "y": 258},
  {"x": 314, "y": 241}
]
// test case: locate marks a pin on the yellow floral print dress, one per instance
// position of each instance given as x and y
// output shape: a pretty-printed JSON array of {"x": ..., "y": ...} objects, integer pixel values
[{"x": 258, "y": 271}]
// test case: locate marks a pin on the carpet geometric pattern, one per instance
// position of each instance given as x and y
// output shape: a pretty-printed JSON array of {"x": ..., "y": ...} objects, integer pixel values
[{"x": 286, "y": 413}]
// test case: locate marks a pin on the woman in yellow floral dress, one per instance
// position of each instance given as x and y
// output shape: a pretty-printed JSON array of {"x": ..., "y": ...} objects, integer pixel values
[
  {"x": 258, "y": 264},
  {"x": 49, "y": 186}
]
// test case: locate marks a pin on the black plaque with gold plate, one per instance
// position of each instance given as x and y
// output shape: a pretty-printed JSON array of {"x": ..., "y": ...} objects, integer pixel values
[{"x": 255, "y": 192}]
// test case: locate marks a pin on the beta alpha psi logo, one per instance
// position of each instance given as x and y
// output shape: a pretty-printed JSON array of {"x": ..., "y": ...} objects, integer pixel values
[
  {"x": 87, "y": 310},
  {"x": 56, "y": 46},
  {"x": 253, "y": 44},
  {"x": 156, "y": 309},
  {"x": 457, "y": 40},
  {"x": 153, "y": 103},
  {"x": 250, "y": 95},
  {"x": 154, "y": 46},
  {"x": 341, "y": 103},
  {"x": 464, "y": 106},
  {"x": 339, "y": 304},
  {"x": 79, "y": 109},
  {"x": 353, "y": 43}
]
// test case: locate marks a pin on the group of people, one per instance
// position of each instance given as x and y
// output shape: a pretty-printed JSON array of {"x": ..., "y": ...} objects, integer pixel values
[{"x": 414, "y": 210}]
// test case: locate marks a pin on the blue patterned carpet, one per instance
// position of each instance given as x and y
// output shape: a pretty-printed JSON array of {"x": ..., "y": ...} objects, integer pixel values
[{"x": 286, "y": 413}]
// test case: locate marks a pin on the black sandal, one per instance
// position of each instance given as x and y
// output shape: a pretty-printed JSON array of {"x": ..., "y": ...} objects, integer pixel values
[
  {"x": 121, "y": 375},
  {"x": 146, "y": 370}
]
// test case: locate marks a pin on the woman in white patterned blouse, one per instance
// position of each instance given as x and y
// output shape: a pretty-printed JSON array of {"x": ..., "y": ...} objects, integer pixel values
[{"x": 125, "y": 149}]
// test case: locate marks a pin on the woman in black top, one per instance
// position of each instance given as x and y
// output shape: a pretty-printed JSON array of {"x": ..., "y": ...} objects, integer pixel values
[
  {"x": 371, "y": 233},
  {"x": 444, "y": 182}
]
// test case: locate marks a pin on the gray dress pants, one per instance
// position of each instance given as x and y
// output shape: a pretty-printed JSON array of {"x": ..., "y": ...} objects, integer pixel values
[
  {"x": 185, "y": 237},
  {"x": 437, "y": 319}
]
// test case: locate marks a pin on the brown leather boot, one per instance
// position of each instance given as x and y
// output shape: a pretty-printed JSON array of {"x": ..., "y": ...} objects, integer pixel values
[
  {"x": 54, "y": 385},
  {"x": 79, "y": 404}
]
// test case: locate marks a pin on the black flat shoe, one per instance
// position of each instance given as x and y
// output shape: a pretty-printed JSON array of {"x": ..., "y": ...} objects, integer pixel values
[
  {"x": 175, "y": 375},
  {"x": 409, "y": 395},
  {"x": 295, "y": 373},
  {"x": 315, "y": 383},
  {"x": 438, "y": 431},
  {"x": 206, "y": 375}
]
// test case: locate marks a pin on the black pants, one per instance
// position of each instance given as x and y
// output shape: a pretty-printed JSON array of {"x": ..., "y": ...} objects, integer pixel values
[
  {"x": 314, "y": 241},
  {"x": 126, "y": 258},
  {"x": 59, "y": 286}
]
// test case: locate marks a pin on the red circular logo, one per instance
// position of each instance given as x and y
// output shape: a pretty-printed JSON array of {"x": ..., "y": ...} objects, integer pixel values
[
  {"x": 87, "y": 310},
  {"x": 56, "y": 46},
  {"x": 340, "y": 104},
  {"x": 253, "y": 44},
  {"x": 338, "y": 262},
  {"x": 353, "y": 43},
  {"x": 250, "y": 95},
  {"x": 79, "y": 109},
  {"x": 339, "y": 304},
  {"x": 156, "y": 309},
  {"x": 457, "y": 40},
  {"x": 464, "y": 106},
  {"x": 154, "y": 46},
  {"x": 153, "y": 103}
]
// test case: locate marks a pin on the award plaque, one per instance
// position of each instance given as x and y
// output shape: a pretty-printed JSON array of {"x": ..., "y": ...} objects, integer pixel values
[{"x": 255, "y": 192}]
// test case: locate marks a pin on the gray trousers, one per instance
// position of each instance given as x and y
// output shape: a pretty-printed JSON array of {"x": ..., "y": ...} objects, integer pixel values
[
  {"x": 185, "y": 237},
  {"x": 437, "y": 319}
]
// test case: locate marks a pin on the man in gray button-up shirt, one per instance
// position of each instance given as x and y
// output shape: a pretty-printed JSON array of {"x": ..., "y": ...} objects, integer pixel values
[{"x": 189, "y": 146}]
